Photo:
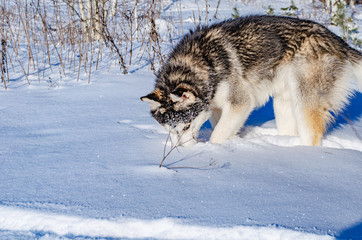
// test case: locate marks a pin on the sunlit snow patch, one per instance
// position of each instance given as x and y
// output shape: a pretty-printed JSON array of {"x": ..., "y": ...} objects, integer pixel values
[{"x": 12, "y": 219}]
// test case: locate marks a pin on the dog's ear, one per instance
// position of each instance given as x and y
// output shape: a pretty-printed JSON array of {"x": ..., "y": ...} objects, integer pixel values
[
  {"x": 182, "y": 98},
  {"x": 153, "y": 99}
]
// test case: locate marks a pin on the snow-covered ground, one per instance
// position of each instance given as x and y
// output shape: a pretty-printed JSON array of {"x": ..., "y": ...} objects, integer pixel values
[{"x": 81, "y": 161}]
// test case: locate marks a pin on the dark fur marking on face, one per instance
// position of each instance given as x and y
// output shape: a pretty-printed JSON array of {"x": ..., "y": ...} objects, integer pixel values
[{"x": 173, "y": 117}]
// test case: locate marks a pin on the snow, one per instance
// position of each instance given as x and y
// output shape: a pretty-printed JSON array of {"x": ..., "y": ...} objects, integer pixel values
[
  {"x": 81, "y": 161},
  {"x": 135, "y": 228}
]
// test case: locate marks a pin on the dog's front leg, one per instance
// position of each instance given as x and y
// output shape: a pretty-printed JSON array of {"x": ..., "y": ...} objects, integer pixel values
[{"x": 231, "y": 120}]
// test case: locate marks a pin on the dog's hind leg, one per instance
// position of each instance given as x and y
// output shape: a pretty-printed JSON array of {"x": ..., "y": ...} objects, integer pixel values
[
  {"x": 316, "y": 121},
  {"x": 284, "y": 116},
  {"x": 312, "y": 121},
  {"x": 313, "y": 98}
]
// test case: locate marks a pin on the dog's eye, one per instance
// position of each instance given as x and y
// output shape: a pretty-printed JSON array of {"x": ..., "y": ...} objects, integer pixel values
[{"x": 179, "y": 91}]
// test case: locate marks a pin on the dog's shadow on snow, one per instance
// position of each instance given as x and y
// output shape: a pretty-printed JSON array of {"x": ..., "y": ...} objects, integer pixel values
[
  {"x": 352, "y": 233},
  {"x": 352, "y": 112}
]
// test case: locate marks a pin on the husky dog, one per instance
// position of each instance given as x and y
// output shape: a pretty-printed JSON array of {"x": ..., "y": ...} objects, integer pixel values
[{"x": 224, "y": 71}]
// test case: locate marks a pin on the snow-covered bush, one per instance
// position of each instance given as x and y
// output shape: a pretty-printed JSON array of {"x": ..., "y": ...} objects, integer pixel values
[{"x": 71, "y": 37}]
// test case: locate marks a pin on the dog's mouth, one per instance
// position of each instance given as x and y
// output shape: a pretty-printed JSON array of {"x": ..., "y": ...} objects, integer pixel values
[{"x": 186, "y": 133}]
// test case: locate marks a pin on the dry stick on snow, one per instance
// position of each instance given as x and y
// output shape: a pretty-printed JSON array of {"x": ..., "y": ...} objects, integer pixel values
[
  {"x": 164, "y": 149},
  {"x": 173, "y": 146},
  {"x": 211, "y": 163}
]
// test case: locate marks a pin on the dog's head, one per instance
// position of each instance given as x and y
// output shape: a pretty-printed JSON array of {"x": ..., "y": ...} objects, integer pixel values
[{"x": 180, "y": 111}]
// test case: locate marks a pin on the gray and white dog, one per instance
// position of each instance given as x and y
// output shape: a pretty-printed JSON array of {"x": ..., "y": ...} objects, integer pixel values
[{"x": 224, "y": 71}]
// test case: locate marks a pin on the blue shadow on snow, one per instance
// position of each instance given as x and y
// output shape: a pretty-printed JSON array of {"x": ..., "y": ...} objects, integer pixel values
[
  {"x": 352, "y": 233},
  {"x": 352, "y": 112}
]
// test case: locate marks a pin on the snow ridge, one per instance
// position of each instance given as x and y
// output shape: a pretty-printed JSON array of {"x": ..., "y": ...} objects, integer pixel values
[{"x": 14, "y": 219}]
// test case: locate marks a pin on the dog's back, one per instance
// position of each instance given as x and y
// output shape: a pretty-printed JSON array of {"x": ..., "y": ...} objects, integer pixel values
[{"x": 234, "y": 66}]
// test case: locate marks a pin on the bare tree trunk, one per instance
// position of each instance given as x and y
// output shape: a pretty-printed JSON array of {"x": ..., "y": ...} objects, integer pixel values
[
  {"x": 3, "y": 59},
  {"x": 136, "y": 18},
  {"x": 104, "y": 16},
  {"x": 3, "y": 62},
  {"x": 84, "y": 21},
  {"x": 114, "y": 8},
  {"x": 90, "y": 19},
  {"x": 97, "y": 21}
]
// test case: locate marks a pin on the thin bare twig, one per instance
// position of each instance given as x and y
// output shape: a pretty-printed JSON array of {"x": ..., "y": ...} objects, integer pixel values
[
  {"x": 173, "y": 146},
  {"x": 211, "y": 163},
  {"x": 164, "y": 156}
]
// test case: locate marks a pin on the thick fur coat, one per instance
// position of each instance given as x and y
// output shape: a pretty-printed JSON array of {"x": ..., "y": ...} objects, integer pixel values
[{"x": 224, "y": 71}]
